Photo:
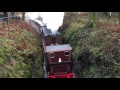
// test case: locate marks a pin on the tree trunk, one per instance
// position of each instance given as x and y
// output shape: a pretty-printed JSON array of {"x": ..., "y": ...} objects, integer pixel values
[
  {"x": 12, "y": 13},
  {"x": 5, "y": 14},
  {"x": 119, "y": 17},
  {"x": 23, "y": 16},
  {"x": 93, "y": 18}
]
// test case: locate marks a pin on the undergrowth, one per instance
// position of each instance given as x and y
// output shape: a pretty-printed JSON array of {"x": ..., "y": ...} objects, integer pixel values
[
  {"x": 20, "y": 51},
  {"x": 96, "y": 51}
]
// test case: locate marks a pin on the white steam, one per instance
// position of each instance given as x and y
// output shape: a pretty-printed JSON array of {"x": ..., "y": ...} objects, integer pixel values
[{"x": 53, "y": 19}]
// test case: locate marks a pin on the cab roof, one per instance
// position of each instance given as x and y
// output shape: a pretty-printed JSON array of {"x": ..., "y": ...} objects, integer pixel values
[{"x": 57, "y": 48}]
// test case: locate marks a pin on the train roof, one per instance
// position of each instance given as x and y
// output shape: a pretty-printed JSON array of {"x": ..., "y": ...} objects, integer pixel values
[
  {"x": 46, "y": 31},
  {"x": 57, "y": 48},
  {"x": 41, "y": 23}
]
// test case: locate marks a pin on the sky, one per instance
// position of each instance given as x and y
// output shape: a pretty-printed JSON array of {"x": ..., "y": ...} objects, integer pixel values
[{"x": 52, "y": 19}]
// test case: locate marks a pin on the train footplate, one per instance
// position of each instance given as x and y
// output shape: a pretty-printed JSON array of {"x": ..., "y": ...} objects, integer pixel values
[{"x": 69, "y": 75}]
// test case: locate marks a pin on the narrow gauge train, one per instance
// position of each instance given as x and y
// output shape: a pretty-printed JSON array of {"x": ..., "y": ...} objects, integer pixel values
[{"x": 58, "y": 60}]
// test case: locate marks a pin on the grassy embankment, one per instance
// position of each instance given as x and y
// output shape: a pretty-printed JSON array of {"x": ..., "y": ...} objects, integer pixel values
[
  {"x": 20, "y": 51},
  {"x": 96, "y": 50}
]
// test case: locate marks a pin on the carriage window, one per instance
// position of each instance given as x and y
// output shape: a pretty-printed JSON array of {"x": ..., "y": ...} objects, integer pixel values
[
  {"x": 66, "y": 53},
  {"x": 52, "y": 55}
]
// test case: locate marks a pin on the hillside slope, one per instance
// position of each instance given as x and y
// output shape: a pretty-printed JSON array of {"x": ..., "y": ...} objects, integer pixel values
[
  {"x": 96, "y": 50},
  {"x": 20, "y": 51}
]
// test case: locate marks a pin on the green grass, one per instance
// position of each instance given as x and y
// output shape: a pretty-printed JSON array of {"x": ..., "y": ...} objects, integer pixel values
[
  {"x": 20, "y": 52},
  {"x": 96, "y": 51}
]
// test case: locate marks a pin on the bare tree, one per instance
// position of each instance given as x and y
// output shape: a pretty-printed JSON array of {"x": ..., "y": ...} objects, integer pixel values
[
  {"x": 93, "y": 18},
  {"x": 5, "y": 14},
  {"x": 119, "y": 17},
  {"x": 12, "y": 13},
  {"x": 23, "y": 16}
]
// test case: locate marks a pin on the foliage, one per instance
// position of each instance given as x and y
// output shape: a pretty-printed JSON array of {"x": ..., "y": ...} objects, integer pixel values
[
  {"x": 20, "y": 51},
  {"x": 96, "y": 51}
]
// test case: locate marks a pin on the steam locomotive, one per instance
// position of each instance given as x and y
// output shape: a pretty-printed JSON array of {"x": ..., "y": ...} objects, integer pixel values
[{"x": 58, "y": 59}]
